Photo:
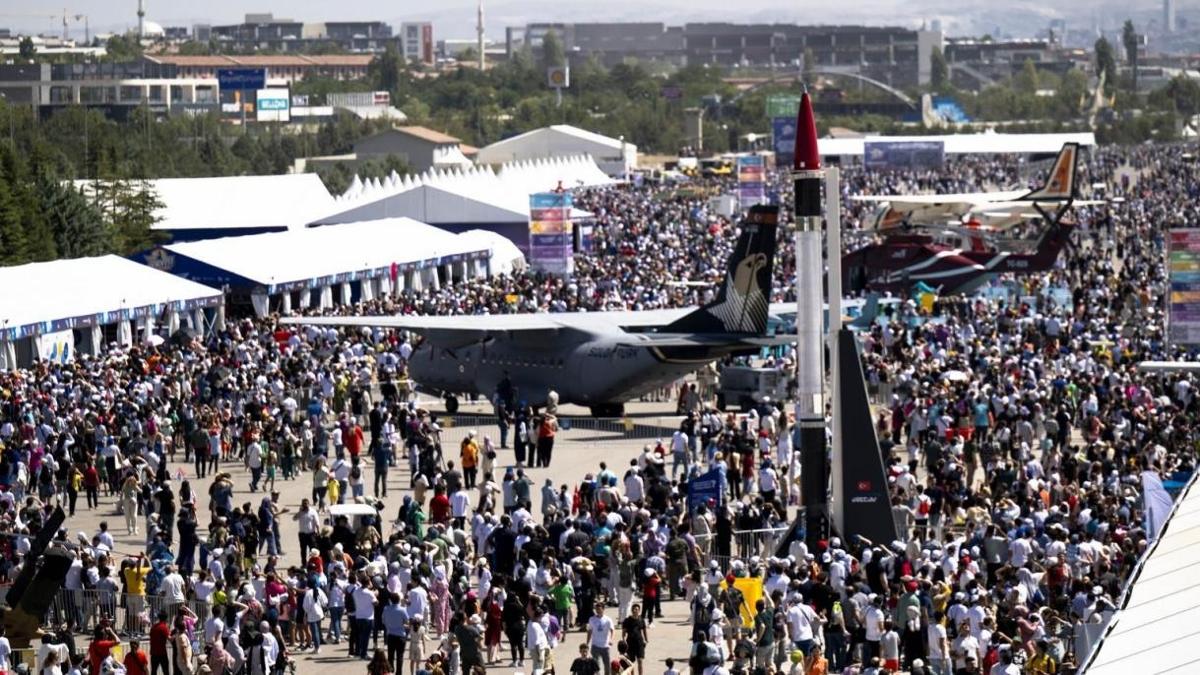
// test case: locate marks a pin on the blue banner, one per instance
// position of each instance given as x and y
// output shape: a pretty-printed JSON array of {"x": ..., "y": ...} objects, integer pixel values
[
  {"x": 783, "y": 134},
  {"x": 705, "y": 489},
  {"x": 903, "y": 154},
  {"x": 241, "y": 79}
]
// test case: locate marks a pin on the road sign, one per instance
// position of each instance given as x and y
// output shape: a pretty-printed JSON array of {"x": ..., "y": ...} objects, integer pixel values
[
  {"x": 241, "y": 79},
  {"x": 783, "y": 105}
]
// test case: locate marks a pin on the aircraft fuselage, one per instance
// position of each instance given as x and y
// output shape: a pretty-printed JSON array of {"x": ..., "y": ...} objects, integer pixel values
[{"x": 598, "y": 369}]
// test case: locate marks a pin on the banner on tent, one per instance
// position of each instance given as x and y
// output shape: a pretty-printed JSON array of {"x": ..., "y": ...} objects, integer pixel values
[{"x": 56, "y": 347}]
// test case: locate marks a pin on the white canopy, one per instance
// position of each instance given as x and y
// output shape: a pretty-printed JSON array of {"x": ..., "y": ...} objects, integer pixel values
[
  {"x": 63, "y": 294},
  {"x": 299, "y": 255},
  {"x": 241, "y": 202},
  {"x": 1153, "y": 631},
  {"x": 560, "y": 140}
]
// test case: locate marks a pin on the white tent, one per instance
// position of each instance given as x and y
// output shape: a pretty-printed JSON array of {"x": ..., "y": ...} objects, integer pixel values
[
  {"x": 1153, "y": 628},
  {"x": 86, "y": 293},
  {"x": 238, "y": 203},
  {"x": 612, "y": 155},
  {"x": 355, "y": 261}
]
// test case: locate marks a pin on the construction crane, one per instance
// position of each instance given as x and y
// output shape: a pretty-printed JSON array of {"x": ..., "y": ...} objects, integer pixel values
[{"x": 64, "y": 18}]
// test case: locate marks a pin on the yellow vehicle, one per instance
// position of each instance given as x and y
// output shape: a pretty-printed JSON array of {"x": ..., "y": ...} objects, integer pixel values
[{"x": 716, "y": 166}]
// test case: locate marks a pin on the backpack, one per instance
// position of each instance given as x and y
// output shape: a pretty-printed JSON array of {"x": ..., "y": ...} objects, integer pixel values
[
  {"x": 703, "y": 612},
  {"x": 348, "y": 593}
]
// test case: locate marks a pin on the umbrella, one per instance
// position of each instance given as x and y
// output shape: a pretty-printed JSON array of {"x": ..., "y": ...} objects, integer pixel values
[
  {"x": 155, "y": 340},
  {"x": 955, "y": 376}
]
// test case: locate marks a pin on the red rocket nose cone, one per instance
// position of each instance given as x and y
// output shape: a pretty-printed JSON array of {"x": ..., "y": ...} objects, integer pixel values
[{"x": 807, "y": 156}]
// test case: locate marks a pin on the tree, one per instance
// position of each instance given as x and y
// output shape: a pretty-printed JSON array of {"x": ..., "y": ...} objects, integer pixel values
[
  {"x": 1027, "y": 80},
  {"x": 468, "y": 55},
  {"x": 809, "y": 66},
  {"x": 939, "y": 72},
  {"x": 552, "y": 51},
  {"x": 123, "y": 49},
  {"x": 76, "y": 227},
  {"x": 1106, "y": 62},
  {"x": 1129, "y": 38},
  {"x": 26, "y": 50},
  {"x": 387, "y": 68}
]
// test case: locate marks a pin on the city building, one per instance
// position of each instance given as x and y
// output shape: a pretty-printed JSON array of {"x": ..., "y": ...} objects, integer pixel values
[
  {"x": 115, "y": 88},
  {"x": 283, "y": 67},
  {"x": 416, "y": 39},
  {"x": 611, "y": 43},
  {"x": 894, "y": 55},
  {"x": 268, "y": 32},
  {"x": 422, "y": 149}
]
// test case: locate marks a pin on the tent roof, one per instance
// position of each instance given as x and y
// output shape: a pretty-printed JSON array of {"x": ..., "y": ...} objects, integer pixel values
[
  {"x": 534, "y": 135},
  {"x": 965, "y": 144},
  {"x": 297, "y": 255},
  {"x": 287, "y": 201},
  {"x": 86, "y": 287},
  {"x": 1154, "y": 631}
]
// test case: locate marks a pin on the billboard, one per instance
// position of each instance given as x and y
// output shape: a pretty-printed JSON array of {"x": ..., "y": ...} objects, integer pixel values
[
  {"x": 751, "y": 180},
  {"x": 241, "y": 79},
  {"x": 783, "y": 105},
  {"x": 1183, "y": 277},
  {"x": 558, "y": 77},
  {"x": 272, "y": 105},
  {"x": 783, "y": 140},
  {"x": 884, "y": 155},
  {"x": 551, "y": 234}
]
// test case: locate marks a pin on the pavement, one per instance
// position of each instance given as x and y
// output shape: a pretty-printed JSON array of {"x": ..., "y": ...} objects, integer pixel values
[{"x": 577, "y": 451}]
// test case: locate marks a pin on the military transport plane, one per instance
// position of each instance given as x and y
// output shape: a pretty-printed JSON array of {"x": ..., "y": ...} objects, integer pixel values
[{"x": 597, "y": 359}]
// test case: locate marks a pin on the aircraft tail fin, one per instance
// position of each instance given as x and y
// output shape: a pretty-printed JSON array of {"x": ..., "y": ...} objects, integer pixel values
[
  {"x": 869, "y": 312},
  {"x": 743, "y": 298},
  {"x": 1060, "y": 184}
]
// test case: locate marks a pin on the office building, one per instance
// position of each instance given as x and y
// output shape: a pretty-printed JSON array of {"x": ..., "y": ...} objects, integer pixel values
[{"x": 416, "y": 39}]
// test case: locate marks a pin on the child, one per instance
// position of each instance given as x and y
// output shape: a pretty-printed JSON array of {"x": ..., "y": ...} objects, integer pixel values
[
  {"x": 416, "y": 642},
  {"x": 585, "y": 664},
  {"x": 333, "y": 491},
  {"x": 270, "y": 464}
]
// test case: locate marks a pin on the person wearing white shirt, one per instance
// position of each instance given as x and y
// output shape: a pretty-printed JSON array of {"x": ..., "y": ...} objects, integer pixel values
[
  {"x": 214, "y": 627},
  {"x": 460, "y": 503},
  {"x": 314, "y": 612},
  {"x": 600, "y": 630},
  {"x": 634, "y": 486},
  {"x": 537, "y": 643}
]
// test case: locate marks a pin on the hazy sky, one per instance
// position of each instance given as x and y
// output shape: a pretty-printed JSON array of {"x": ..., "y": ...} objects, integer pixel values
[{"x": 456, "y": 18}]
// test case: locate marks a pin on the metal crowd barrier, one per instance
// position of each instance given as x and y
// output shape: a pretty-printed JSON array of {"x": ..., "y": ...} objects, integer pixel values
[{"x": 129, "y": 614}]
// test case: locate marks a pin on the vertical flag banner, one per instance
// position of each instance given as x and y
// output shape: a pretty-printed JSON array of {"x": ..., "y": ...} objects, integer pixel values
[
  {"x": 1183, "y": 275},
  {"x": 751, "y": 180},
  {"x": 551, "y": 235}
]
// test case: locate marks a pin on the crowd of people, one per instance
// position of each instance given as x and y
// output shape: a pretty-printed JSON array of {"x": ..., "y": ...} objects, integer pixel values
[{"x": 1014, "y": 427}]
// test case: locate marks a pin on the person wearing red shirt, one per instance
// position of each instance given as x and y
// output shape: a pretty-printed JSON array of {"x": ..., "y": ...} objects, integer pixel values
[
  {"x": 439, "y": 506},
  {"x": 135, "y": 660},
  {"x": 354, "y": 440},
  {"x": 160, "y": 636},
  {"x": 101, "y": 645},
  {"x": 91, "y": 485}
]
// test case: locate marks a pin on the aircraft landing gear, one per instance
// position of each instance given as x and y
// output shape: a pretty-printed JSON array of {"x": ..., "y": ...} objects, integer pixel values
[
  {"x": 608, "y": 410},
  {"x": 451, "y": 404}
]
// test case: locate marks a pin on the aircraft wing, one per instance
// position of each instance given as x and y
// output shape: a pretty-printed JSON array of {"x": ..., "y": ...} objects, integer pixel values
[
  {"x": 450, "y": 331},
  {"x": 707, "y": 340}
]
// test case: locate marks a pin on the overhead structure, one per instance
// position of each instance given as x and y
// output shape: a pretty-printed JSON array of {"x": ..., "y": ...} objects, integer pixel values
[
  {"x": 987, "y": 143},
  {"x": 83, "y": 303},
  {"x": 614, "y": 156},
  {"x": 332, "y": 265}
]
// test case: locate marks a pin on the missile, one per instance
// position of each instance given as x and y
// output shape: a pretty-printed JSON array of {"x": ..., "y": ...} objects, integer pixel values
[{"x": 806, "y": 169}]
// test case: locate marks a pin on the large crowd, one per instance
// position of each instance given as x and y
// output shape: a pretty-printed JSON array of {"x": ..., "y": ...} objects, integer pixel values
[{"x": 1014, "y": 427}]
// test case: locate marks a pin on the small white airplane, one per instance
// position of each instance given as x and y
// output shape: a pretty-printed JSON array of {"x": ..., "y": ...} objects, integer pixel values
[{"x": 983, "y": 212}]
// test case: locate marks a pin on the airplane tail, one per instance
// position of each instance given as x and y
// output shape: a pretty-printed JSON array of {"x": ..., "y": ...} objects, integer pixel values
[
  {"x": 744, "y": 297},
  {"x": 869, "y": 313},
  {"x": 1060, "y": 184}
]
